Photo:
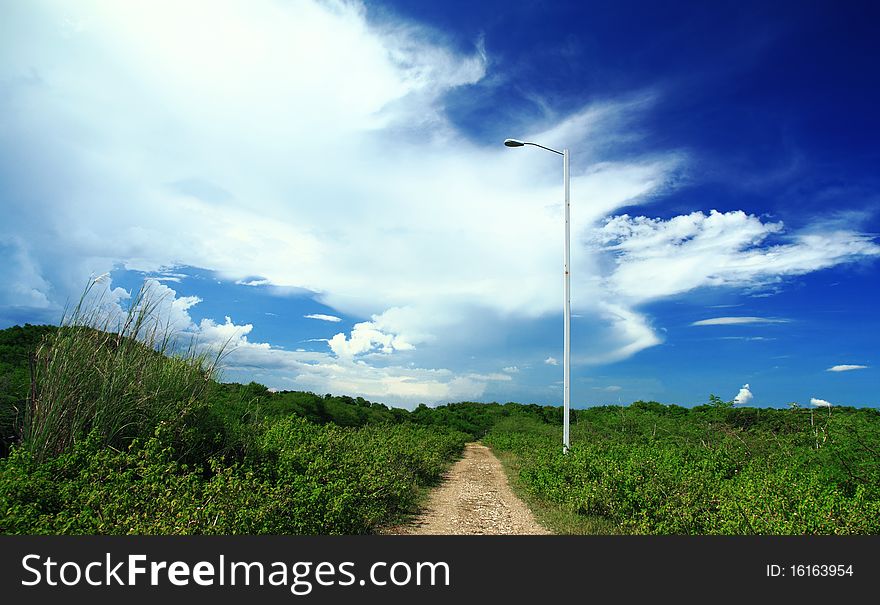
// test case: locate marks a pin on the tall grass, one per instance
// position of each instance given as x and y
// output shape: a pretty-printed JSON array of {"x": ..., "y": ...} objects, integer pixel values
[{"x": 111, "y": 374}]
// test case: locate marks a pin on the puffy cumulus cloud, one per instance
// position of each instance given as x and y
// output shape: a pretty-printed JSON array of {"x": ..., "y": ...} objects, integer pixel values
[
  {"x": 227, "y": 336},
  {"x": 280, "y": 368},
  {"x": 364, "y": 338},
  {"x": 156, "y": 306},
  {"x": 396, "y": 329},
  {"x": 321, "y": 372},
  {"x": 846, "y": 368},
  {"x": 744, "y": 396},
  {"x": 820, "y": 403},
  {"x": 162, "y": 307},
  {"x": 551, "y": 361},
  {"x": 176, "y": 309}
]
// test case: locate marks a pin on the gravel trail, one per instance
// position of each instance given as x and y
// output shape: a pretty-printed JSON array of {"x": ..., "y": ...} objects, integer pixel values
[{"x": 474, "y": 499}]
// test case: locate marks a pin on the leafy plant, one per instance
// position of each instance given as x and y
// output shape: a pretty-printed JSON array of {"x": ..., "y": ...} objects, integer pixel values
[{"x": 710, "y": 470}]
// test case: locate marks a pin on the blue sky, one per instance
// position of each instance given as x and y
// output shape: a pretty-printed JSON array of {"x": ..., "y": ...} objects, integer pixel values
[{"x": 322, "y": 185}]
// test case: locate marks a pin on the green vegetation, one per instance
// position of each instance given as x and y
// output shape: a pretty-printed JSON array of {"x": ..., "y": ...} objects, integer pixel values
[
  {"x": 554, "y": 516},
  {"x": 114, "y": 427},
  {"x": 17, "y": 346},
  {"x": 113, "y": 384},
  {"x": 301, "y": 479},
  {"x": 121, "y": 430},
  {"x": 654, "y": 469}
]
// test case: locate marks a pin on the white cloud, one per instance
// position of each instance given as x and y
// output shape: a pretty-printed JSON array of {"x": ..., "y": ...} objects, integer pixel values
[
  {"x": 731, "y": 321},
  {"x": 551, "y": 361},
  {"x": 161, "y": 309},
  {"x": 511, "y": 370},
  {"x": 845, "y": 368},
  {"x": 317, "y": 371},
  {"x": 394, "y": 384},
  {"x": 744, "y": 396},
  {"x": 820, "y": 403},
  {"x": 23, "y": 282},
  {"x": 169, "y": 277},
  {"x": 323, "y": 317},
  {"x": 227, "y": 336},
  {"x": 367, "y": 337},
  {"x": 658, "y": 258},
  {"x": 214, "y": 122},
  {"x": 221, "y": 153},
  {"x": 495, "y": 376},
  {"x": 630, "y": 333}
]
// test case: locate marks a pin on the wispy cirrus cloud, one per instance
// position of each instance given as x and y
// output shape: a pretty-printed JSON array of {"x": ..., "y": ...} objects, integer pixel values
[
  {"x": 609, "y": 389},
  {"x": 323, "y": 317},
  {"x": 654, "y": 258},
  {"x": 657, "y": 258},
  {"x": 735, "y": 321},
  {"x": 846, "y": 368}
]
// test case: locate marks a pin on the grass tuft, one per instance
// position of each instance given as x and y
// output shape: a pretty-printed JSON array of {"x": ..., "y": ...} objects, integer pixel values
[{"x": 111, "y": 374}]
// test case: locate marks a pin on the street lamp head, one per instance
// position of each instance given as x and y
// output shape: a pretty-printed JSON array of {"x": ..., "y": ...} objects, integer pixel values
[{"x": 513, "y": 143}]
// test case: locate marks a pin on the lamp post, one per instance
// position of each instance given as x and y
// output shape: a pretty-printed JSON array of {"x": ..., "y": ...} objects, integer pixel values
[{"x": 566, "y": 363}]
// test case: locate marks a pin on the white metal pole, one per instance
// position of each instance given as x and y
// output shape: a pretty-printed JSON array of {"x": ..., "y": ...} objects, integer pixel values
[{"x": 566, "y": 389}]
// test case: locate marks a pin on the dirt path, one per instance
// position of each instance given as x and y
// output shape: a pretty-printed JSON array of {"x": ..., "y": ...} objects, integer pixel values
[{"x": 474, "y": 499}]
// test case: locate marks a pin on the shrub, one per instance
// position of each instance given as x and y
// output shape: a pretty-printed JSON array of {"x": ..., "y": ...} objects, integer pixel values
[
  {"x": 712, "y": 470},
  {"x": 302, "y": 479}
]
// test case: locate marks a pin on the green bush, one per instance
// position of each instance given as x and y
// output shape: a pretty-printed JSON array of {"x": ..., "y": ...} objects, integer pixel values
[
  {"x": 303, "y": 479},
  {"x": 710, "y": 470}
]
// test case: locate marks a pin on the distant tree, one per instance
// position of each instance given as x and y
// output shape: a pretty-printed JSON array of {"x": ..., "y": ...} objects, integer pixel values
[{"x": 716, "y": 402}]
